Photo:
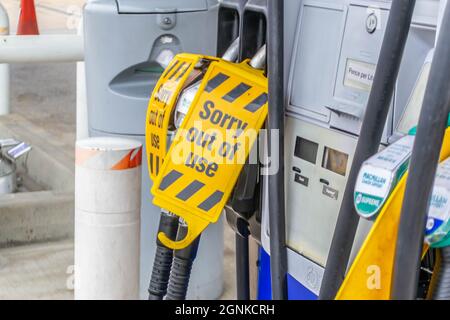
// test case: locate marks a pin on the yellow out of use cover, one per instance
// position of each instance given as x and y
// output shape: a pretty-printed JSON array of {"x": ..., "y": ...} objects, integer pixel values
[{"x": 210, "y": 149}]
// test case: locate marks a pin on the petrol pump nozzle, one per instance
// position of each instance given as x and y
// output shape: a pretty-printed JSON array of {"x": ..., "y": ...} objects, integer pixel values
[{"x": 180, "y": 261}]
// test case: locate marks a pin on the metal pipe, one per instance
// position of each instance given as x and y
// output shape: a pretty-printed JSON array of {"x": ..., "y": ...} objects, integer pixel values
[
  {"x": 278, "y": 251},
  {"x": 5, "y": 81},
  {"x": 82, "y": 108},
  {"x": 42, "y": 48},
  {"x": 424, "y": 161},
  {"x": 232, "y": 52},
  {"x": 259, "y": 59},
  {"x": 394, "y": 41}
]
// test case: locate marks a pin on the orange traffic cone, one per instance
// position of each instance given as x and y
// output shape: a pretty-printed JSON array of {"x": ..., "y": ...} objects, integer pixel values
[{"x": 27, "y": 21}]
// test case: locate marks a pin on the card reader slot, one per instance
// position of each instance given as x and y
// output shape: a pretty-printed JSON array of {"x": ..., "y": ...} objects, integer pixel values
[{"x": 297, "y": 169}]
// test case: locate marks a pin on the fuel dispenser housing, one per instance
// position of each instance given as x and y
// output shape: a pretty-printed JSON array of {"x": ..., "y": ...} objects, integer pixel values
[
  {"x": 325, "y": 105},
  {"x": 121, "y": 75}
]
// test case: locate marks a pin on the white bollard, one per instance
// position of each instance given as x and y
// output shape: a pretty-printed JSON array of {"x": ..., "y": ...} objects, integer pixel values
[
  {"x": 107, "y": 219},
  {"x": 5, "y": 99},
  {"x": 4, "y": 68}
]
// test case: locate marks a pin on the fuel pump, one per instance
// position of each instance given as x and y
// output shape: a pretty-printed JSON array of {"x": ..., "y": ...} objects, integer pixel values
[
  {"x": 337, "y": 80},
  {"x": 331, "y": 99},
  {"x": 430, "y": 133},
  {"x": 399, "y": 22},
  {"x": 395, "y": 244},
  {"x": 205, "y": 90}
]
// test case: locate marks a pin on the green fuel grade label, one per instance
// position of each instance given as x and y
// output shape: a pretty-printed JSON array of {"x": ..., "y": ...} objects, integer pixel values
[
  {"x": 379, "y": 175},
  {"x": 367, "y": 205},
  {"x": 372, "y": 189}
]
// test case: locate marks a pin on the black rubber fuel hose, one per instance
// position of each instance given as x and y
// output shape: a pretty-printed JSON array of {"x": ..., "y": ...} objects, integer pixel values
[
  {"x": 182, "y": 263},
  {"x": 162, "y": 265},
  {"x": 442, "y": 289}
]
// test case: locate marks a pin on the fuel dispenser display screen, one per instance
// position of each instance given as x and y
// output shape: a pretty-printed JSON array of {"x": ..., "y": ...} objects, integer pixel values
[
  {"x": 335, "y": 161},
  {"x": 306, "y": 150}
]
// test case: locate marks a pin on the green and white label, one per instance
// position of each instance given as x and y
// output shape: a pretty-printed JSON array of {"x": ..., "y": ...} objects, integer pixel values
[
  {"x": 372, "y": 186},
  {"x": 379, "y": 175},
  {"x": 438, "y": 223}
]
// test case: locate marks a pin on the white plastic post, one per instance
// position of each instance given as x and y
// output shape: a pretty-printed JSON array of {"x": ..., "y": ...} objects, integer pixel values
[
  {"x": 42, "y": 48},
  {"x": 4, "y": 68},
  {"x": 107, "y": 219},
  {"x": 82, "y": 109}
]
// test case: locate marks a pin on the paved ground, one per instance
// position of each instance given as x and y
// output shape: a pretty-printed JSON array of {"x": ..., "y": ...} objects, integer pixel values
[
  {"x": 44, "y": 94},
  {"x": 40, "y": 271},
  {"x": 45, "y": 271}
]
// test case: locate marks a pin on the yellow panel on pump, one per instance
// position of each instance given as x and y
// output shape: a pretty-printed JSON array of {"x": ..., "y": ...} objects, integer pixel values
[
  {"x": 370, "y": 276},
  {"x": 211, "y": 147}
]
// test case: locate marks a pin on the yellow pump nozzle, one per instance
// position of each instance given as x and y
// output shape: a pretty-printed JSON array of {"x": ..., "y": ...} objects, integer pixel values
[{"x": 375, "y": 260}]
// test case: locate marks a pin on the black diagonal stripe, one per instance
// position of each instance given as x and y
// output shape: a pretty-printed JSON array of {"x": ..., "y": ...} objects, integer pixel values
[
  {"x": 183, "y": 73},
  {"x": 236, "y": 92},
  {"x": 257, "y": 104},
  {"x": 209, "y": 203},
  {"x": 169, "y": 179},
  {"x": 177, "y": 70},
  {"x": 190, "y": 190},
  {"x": 151, "y": 162},
  {"x": 216, "y": 82},
  {"x": 157, "y": 165},
  {"x": 171, "y": 68}
]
